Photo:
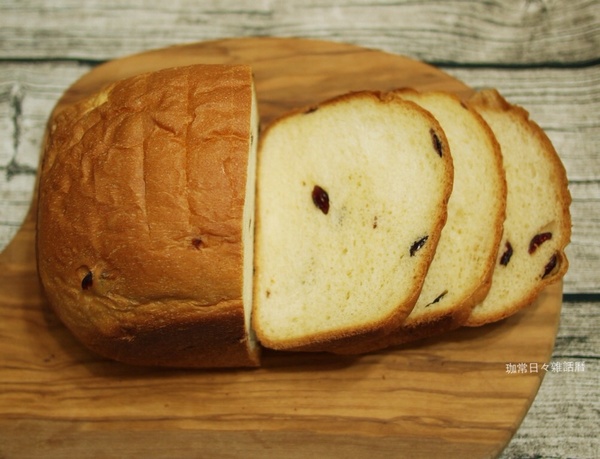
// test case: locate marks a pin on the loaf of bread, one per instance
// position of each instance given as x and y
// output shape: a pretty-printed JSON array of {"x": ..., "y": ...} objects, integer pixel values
[
  {"x": 538, "y": 224},
  {"x": 145, "y": 218},
  {"x": 352, "y": 197},
  {"x": 169, "y": 235}
]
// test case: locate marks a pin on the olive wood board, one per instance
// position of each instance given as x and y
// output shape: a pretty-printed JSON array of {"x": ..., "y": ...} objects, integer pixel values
[{"x": 450, "y": 396}]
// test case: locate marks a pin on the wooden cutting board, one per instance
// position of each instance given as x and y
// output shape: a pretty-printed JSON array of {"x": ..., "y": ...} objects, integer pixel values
[{"x": 450, "y": 397}]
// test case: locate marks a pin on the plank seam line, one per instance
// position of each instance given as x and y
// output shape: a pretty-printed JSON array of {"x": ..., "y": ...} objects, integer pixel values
[
  {"x": 546, "y": 65},
  {"x": 581, "y": 297},
  {"x": 588, "y": 63}
]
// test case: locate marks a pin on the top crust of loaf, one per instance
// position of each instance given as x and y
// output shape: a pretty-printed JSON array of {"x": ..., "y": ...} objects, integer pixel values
[
  {"x": 538, "y": 201},
  {"x": 332, "y": 276},
  {"x": 141, "y": 204}
]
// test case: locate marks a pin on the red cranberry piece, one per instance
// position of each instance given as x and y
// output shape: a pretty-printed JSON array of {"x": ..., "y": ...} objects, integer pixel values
[
  {"x": 439, "y": 297},
  {"x": 508, "y": 252},
  {"x": 538, "y": 240},
  {"x": 418, "y": 245},
  {"x": 437, "y": 143},
  {"x": 550, "y": 266},
  {"x": 197, "y": 243},
  {"x": 320, "y": 199},
  {"x": 87, "y": 281}
]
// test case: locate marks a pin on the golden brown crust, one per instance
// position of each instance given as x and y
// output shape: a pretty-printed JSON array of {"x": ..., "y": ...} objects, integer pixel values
[
  {"x": 140, "y": 217},
  {"x": 209, "y": 339}
]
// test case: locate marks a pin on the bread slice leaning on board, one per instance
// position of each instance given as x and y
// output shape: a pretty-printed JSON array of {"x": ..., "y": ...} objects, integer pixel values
[
  {"x": 169, "y": 235},
  {"x": 460, "y": 274},
  {"x": 538, "y": 223},
  {"x": 352, "y": 197}
]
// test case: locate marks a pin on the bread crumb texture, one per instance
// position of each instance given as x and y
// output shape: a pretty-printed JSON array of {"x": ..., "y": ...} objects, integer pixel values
[
  {"x": 462, "y": 267},
  {"x": 538, "y": 224},
  {"x": 323, "y": 275}
]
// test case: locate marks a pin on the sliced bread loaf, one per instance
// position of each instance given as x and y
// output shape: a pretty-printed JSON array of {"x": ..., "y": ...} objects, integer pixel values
[
  {"x": 351, "y": 200},
  {"x": 145, "y": 223},
  {"x": 460, "y": 274},
  {"x": 538, "y": 224}
]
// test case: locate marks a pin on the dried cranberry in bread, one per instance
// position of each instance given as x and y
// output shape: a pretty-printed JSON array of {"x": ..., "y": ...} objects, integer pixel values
[
  {"x": 145, "y": 220},
  {"x": 351, "y": 200},
  {"x": 538, "y": 224}
]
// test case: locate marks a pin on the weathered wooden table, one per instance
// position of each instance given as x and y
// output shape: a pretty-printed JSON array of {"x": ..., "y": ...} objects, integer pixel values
[{"x": 542, "y": 55}]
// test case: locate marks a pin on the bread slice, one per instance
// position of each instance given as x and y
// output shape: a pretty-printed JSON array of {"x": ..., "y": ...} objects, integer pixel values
[
  {"x": 538, "y": 224},
  {"x": 352, "y": 197},
  {"x": 460, "y": 274},
  {"x": 145, "y": 223}
]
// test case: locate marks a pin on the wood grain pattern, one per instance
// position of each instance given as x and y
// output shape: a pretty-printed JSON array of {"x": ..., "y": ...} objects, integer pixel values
[{"x": 445, "y": 397}]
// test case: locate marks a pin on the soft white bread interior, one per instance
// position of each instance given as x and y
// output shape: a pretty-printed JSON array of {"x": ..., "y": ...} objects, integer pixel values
[
  {"x": 460, "y": 274},
  {"x": 145, "y": 223},
  {"x": 538, "y": 223},
  {"x": 352, "y": 197}
]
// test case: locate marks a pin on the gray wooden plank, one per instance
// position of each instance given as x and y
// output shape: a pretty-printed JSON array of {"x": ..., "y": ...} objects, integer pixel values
[
  {"x": 28, "y": 93},
  {"x": 584, "y": 250},
  {"x": 564, "y": 102},
  {"x": 568, "y": 402},
  {"x": 510, "y": 32}
]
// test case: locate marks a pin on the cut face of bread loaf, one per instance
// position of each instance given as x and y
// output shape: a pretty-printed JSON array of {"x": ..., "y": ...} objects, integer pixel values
[
  {"x": 145, "y": 223},
  {"x": 538, "y": 224},
  {"x": 351, "y": 200}
]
